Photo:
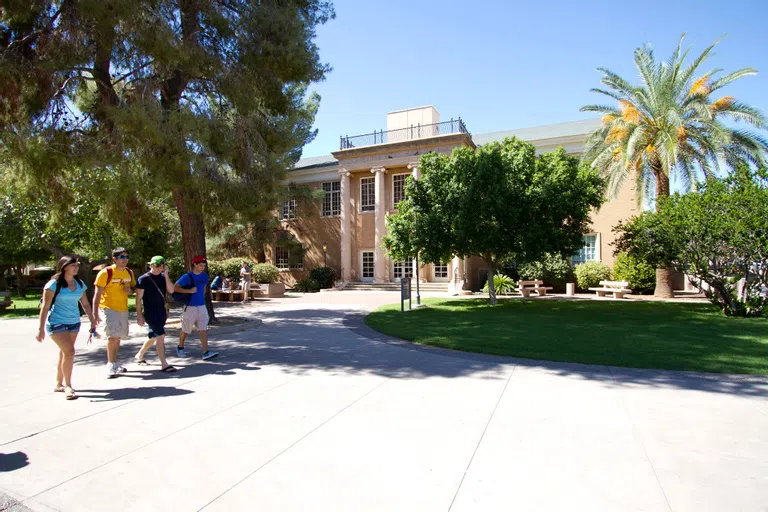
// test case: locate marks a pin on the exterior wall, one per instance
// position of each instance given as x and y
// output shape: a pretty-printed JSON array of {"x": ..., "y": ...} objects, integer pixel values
[
  {"x": 363, "y": 236},
  {"x": 412, "y": 117},
  {"x": 311, "y": 230},
  {"x": 612, "y": 212}
]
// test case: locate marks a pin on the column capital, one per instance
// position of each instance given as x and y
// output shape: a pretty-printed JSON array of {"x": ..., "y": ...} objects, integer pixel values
[
  {"x": 413, "y": 165},
  {"x": 344, "y": 172},
  {"x": 378, "y": 169}
]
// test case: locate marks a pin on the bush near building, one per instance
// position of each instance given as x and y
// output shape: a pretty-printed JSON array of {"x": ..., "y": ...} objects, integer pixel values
[
  {"x": 590, "y": 273},
  {"x": 324, "y": 276},
  {"x": 504, "y": 285},
  {"x": 306, "y": 285},
  {"x": 640, "y": 275},
  {"x": 553, "y": 269}
]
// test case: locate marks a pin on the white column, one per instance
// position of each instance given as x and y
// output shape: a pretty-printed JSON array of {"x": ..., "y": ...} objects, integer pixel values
[
  {"x": 380, "y": 261},
  {"x": 416, "y": 173},
  {"x": 346, "y": 239}
]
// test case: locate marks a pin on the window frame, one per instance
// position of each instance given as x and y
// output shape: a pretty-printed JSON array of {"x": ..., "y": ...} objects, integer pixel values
[
  {"x": 282, "y": 259},
  {"x": 577, "y": 259},
  {"x": 364, "y": 208},
  {"x": 405, "y": 180},
  {"x": 290, "y": 212},
  {"x": 329, "y": 198}
]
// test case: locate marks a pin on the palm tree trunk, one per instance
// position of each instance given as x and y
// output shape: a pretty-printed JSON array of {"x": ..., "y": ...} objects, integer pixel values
[{"x": 663, "y": 275}]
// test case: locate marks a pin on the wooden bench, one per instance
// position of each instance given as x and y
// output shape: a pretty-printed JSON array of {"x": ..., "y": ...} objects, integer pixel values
[
  {"x": 617, "y": 288},
  {"x": 526, "y": 287},
  {"x": 5, "y": 300},
  {"x": 227, "y": 295}
]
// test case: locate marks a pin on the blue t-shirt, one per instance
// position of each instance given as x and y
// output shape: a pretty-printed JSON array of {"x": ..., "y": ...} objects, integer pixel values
[
  {"x": 65, "y": 310},
  {"x": 199, "y": 280}
]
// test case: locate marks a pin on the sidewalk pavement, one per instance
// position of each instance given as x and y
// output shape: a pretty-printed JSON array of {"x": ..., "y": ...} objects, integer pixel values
[{"x": 311, "y": 410}]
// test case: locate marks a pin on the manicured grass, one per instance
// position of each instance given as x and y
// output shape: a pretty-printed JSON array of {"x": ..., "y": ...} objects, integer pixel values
[
  {"x": 28, "y": 306},
  {"x": 673, "y": 336}
]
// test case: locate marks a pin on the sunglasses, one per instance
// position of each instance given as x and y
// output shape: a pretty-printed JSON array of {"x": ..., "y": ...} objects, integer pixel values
[{"x": 122, "y": 257}]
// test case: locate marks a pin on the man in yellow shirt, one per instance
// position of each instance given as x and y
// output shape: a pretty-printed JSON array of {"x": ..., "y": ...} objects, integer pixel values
[{"x": 113, "y": 286}]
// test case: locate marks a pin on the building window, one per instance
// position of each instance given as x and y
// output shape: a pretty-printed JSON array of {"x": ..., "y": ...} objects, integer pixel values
[
  {"x": 398, "y": 188},
  {"x": 288, "y": 210},
  {"x": 440, "y": 270},
  {"x": 367, "y": 194},
  {"x": 588, "y": 252},
  {"x": 332, "y": 200},
  {"x": 284, "y": 260},
  {"x": 403, "y": 270}
]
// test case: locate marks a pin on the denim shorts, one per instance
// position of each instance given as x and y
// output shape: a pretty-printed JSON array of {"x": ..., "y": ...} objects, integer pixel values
[{"x": 56, "y": 328}]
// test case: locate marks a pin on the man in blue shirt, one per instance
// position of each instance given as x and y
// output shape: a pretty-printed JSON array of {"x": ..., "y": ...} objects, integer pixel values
[{"x": 195, "y": 314}]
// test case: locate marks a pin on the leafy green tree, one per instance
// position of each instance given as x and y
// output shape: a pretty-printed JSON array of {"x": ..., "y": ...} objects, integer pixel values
[
  {"x": 670, "y": 125},
  {"x": 638, "y": 273},
  {"x": 718, "y": 236},
  {"x": 500, "y": 202},
  {"x": 199, "y": 102}
]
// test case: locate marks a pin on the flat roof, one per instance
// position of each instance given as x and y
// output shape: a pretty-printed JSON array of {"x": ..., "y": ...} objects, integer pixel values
[{"x": 534, "y": 133}]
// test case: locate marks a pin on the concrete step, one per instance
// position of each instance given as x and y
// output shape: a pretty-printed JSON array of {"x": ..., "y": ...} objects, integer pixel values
[{"x": 424, "y": 287}]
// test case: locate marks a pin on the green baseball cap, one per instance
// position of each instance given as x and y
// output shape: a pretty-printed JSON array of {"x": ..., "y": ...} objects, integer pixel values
[{"x": 157, "y": 260}]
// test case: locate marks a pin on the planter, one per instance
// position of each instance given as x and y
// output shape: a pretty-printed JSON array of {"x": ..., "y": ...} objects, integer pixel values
[{"x": 272, "y": 289}]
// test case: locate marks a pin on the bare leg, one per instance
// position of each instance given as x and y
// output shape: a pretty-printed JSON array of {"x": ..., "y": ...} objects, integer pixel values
[
  {"x": 146, "y": 346},
  {"x": 204, "y": 340},
  {"x": 60, "y": 370},
  {"x": 66, "y": 343},
  {"x": 113, "y": 347},
  {"x": 182, "y": 338},
  {"x": 160, "y": 347}
]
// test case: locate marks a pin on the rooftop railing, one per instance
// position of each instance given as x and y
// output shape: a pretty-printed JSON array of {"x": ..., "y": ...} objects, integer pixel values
[{"x": 417, "y": 131}]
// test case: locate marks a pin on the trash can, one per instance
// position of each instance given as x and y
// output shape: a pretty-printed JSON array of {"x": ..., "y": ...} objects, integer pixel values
[{"x": 570, "y": 289}]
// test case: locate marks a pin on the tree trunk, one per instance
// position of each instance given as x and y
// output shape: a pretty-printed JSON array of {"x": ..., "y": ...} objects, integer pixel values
[
  {"x": 21, "y": 280},
  {"x": 193, "y": 236},
  {"x": 3, "y": 282},
  {"x": 663, "y": 275},
  {"x": 491, "y": 284}
]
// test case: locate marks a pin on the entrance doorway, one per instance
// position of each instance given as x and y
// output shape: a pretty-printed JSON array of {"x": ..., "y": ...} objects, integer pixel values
[{"x": 367, "y": 266}]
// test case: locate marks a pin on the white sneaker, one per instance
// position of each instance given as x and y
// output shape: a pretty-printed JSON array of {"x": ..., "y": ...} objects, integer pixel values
[{"x": 111, "y": 370}]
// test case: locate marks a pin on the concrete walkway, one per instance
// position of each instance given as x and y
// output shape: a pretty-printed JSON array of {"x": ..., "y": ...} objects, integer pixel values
[{"x": 310, "y": 410}]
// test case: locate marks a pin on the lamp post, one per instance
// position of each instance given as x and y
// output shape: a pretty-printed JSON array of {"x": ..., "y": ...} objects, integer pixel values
[
  {"x": 418, "y": 295},
  {"x": 325, "y": 254}
]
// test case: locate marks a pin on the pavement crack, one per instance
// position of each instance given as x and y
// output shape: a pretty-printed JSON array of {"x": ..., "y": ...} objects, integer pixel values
[{"x": 479, "y": 441}]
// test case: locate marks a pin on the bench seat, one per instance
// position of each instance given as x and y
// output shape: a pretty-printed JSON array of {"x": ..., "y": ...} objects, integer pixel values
[
  {"x": 617, "y": 288},
  {"x": 526, "y": 287}
]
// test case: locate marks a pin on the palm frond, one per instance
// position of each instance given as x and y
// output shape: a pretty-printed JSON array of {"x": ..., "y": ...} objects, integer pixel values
[{"x": 731, "y": 77}]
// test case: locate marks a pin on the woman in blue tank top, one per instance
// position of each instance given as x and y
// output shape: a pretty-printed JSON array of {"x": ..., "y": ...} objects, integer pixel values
[{"x": 60, "y": 298}]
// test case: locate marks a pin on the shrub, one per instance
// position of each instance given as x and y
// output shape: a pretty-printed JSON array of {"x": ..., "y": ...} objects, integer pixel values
[
  {"x": 175, "y": 268},
  {"x": 640, "y": 275},
  {"x": 265, "y": 273},
  {"x": 590, "y": 273},
  {"x": 228, "y": 268},
  {"x": 325, "y": 277},
  {"x": 553, "y": 269},
  {"x": 306, "y": 285},
  {"x": 503, "y": 284}
]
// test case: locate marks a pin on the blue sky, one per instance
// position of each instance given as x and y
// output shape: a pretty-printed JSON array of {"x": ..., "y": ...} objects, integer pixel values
[{"x": 502, "y": 65}]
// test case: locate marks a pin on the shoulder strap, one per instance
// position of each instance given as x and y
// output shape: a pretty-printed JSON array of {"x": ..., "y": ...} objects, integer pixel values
[
  {"x": 133, "y": 278},
  {"x": 56, "y": 292},
  {"x": 109, "y": 276}
]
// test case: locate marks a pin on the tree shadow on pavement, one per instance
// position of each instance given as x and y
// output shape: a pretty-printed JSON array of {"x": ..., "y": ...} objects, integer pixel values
[{"x": 300, "y": 341}]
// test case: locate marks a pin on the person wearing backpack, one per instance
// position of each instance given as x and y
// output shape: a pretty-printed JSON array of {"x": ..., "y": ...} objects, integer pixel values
[
  {"x": 113, "y": 286},
  {"x": 151, "y": 289},
  {"x": 61, "y": 296},
  {"x": 195, "y": 313}
]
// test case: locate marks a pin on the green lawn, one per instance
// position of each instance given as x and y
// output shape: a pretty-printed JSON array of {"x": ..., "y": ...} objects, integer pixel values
[
  {"x": 28, "y": 306},
  {"x": 673, "y": 336}
]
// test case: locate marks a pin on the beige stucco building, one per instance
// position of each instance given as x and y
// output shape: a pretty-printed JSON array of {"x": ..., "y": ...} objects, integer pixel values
[{"x": 364, "y": 179}]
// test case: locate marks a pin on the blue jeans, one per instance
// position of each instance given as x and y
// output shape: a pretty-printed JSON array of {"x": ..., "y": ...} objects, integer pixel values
[{"x": 56, "y": 328}]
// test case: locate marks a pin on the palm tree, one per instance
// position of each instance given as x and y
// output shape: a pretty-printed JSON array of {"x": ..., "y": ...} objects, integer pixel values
[{"x": 669, "y": 126}]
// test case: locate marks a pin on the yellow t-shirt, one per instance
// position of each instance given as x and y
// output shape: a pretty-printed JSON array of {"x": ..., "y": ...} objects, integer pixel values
[{"x": 114, "y": 296}]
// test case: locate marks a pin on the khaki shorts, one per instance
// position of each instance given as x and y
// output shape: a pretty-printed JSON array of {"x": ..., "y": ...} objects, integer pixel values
[
  {"x": 115, "y": 323},
  {"x": 194, "y": 316}
]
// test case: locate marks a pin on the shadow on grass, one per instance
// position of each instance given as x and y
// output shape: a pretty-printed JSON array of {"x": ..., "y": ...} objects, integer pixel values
[
  {"x": 690, "y": 337},
  {"x": 300, "y": 341}
]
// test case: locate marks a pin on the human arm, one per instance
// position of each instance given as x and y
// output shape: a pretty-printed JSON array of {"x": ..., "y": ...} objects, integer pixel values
[
  {"x": 47, "y": 298},
  {"x": 139, "y": 307},
  {"x": 96, "y": 302},
  {"x": 168, "y": 283},
  {"x": 183, "y": 281},
  {"x": 87, "y": 308}
]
